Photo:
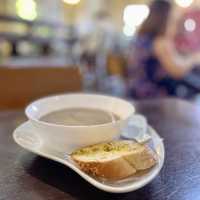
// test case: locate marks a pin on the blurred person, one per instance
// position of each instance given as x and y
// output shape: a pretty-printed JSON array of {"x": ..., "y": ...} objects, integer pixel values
[
  {"x": 155, "y": 67},
  {"x": 98, "y": 38},
  {"x": 99, "y": 31}
]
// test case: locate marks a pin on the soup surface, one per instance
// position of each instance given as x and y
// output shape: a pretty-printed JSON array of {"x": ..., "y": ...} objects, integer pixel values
[{"x": 80, "y": 117}]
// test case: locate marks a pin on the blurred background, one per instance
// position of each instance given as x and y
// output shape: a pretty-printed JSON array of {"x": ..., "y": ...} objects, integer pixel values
[{"x": 136, "y": 49}]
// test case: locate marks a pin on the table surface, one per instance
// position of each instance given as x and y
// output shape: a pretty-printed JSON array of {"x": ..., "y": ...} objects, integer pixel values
[{"x": 25, "y": 176}]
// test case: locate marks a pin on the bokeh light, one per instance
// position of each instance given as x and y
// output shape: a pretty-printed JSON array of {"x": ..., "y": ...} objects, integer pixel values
[
  {"x": 184, "y": 3},
  {"x": 190, "y": 25},
  {"x": 72, "y": 2},
  {"x": 26, "y": 9},
  {"x": 129, "y": 31},
  {"x": 134, "y": 15}
]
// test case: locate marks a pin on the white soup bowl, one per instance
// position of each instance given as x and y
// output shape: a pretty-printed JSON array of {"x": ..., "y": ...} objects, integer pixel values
[{"x": 67, "y": 138}]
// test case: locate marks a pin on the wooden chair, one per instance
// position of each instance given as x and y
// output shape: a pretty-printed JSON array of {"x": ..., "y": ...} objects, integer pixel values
[{"x": 20, "y": 86}]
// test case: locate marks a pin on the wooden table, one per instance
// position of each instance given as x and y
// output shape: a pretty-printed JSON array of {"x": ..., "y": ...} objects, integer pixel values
[{"x": 25, "y": 176}]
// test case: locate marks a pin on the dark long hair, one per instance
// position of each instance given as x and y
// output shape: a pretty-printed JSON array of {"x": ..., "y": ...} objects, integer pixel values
[{"x": 156, "y": 23}]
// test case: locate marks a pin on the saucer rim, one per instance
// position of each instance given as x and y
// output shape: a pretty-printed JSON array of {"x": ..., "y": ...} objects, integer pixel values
[{"x": 91, "y": 180}]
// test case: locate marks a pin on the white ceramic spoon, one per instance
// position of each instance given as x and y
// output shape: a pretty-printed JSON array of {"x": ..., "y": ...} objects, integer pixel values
[{"x": 25, "y": 137}]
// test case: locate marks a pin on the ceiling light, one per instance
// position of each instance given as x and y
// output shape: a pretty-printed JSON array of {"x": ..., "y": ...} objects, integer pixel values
[
  {"x": 184, "y": 3},
  {"x": 26, "y": 9},
  {"x": 72, "y": 2},
  {"x": 134, "y": 15},
  {"x": 129, "y": 31}
]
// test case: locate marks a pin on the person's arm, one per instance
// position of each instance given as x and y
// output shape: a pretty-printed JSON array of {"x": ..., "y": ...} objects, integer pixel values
[{"x": 177, "y": 66}]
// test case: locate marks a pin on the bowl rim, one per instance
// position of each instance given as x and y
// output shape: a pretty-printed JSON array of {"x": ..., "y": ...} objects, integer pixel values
[{"x": 36, "y": 120}]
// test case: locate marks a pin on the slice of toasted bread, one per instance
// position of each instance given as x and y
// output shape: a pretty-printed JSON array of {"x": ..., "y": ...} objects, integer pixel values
[{"x": 114, "y": 160}]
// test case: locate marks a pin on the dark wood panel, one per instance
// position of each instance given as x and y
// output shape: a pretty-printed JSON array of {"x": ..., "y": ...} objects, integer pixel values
[{"x": 18, "y": 87}]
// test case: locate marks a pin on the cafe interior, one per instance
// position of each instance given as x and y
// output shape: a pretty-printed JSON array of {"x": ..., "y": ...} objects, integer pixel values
[
  {"x": 50, "y": 47},
  {"x": 121, "y": 79}
]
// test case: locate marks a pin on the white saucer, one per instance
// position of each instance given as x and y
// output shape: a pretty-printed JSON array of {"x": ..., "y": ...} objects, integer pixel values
[{"x": 25, "y": 137}]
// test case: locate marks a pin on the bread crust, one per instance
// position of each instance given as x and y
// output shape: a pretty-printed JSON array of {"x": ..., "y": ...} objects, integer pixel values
[
  {"x": 140, "y": 157},
  {"x": 143, "y": 159},
  {"x": 113, "y": 170}
]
